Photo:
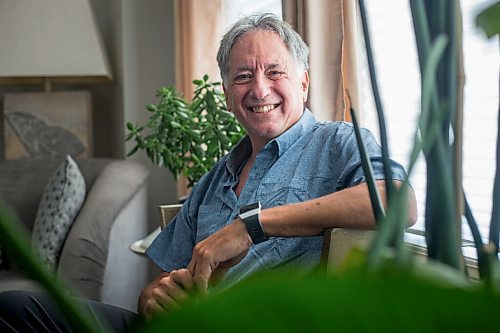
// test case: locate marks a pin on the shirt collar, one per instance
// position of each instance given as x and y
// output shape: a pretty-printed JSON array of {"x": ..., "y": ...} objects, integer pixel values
[
  {"x": 304, "y": 124},
  {"x": 243, "y": 149},
  {"x": 238, "y": 155}
]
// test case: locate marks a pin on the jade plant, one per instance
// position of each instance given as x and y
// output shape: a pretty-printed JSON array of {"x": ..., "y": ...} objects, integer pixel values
[{"x": 185, "y": 137}]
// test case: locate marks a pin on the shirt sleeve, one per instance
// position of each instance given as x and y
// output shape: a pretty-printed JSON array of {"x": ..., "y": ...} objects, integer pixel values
[
  {"x": 353, "y": 173},
  {"x": 173, "y": 247}
]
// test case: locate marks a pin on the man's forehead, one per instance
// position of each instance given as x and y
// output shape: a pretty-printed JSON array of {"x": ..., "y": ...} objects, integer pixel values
[{"x": 254, "y": 48}]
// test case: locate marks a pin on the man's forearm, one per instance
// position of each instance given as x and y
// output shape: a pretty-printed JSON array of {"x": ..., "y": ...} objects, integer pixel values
[{"x": 349, "y": 208}]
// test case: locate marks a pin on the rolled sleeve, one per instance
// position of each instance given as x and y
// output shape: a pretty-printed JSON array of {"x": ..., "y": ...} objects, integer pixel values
[{"x": 173, "y": 247}]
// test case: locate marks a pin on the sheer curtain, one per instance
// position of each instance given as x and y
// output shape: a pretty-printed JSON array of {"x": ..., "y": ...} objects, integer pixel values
[
  {"x": 322, "y": 25},
  {"x": 199, "y": 26}
]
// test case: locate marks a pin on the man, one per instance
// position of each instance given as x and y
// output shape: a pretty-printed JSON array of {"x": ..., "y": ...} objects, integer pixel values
[{"x": 305, "y": 175}]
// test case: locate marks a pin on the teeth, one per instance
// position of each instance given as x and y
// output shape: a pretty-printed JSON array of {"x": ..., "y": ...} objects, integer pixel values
[{"x": 263, "y": 109}]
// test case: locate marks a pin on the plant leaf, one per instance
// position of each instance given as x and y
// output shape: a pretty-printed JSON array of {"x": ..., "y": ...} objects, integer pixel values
[{"x": 489, "y": 20}]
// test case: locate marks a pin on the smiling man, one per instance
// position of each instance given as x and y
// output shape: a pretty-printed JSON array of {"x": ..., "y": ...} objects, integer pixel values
[
  {"x": 265, "y": 87},
  {"x": 267, "y": 203}
]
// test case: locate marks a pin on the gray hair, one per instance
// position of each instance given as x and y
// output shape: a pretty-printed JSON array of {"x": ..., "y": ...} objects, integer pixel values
[{"x": 267, "y": 22}]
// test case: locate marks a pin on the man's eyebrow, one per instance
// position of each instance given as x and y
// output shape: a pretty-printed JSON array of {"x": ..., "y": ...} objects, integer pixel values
[
  {"x": 251, "y": 69},
  {"x": 244, "y": 69}
]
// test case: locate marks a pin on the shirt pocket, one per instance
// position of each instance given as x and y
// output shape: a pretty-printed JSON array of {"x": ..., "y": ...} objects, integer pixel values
[
  {"x": 210, "y": 220},
  {"x": 277, "y": 193}
]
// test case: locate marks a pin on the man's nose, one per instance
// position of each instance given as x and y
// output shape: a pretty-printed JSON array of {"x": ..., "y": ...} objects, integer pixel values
[{"x": 261, "y": 87}]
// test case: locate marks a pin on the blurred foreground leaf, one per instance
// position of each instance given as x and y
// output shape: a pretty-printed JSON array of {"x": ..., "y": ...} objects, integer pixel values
[
  {"x": 355, "y": 301},
  {"x": 17, "y": 242}
]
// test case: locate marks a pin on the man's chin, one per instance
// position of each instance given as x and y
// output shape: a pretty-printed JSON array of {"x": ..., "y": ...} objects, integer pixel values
[{"x": 270, "y": 133}]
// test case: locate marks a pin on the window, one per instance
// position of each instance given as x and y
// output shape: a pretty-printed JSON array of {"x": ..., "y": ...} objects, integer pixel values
[
  {"x": 399, "y": 82},
  {"x": 235, "y": 9}
]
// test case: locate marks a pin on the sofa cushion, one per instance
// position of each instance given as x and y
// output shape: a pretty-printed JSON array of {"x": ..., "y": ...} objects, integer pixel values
[{"x": 61, "y": 201}]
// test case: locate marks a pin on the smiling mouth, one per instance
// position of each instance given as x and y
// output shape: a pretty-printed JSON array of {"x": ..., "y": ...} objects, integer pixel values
[{"x": 264, "y": 108}]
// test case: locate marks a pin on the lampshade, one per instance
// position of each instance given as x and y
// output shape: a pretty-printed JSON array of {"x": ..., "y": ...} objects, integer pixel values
[{"x": 50, "y": 39}]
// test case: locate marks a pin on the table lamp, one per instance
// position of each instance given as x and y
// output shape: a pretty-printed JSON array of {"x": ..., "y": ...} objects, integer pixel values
[{"x": 46, "y": 42}]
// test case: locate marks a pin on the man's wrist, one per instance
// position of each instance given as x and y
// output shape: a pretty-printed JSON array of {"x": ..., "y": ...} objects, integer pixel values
[
  {"x": 250, "y": 216},
  {"x": 241, "y": 224}
]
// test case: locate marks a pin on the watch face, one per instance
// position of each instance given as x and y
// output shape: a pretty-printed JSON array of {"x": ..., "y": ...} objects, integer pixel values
[{"x": 248, "y": 208}]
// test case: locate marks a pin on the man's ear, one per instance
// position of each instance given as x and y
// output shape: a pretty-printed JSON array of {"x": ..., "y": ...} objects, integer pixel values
[{"x": 305, "y": 85}]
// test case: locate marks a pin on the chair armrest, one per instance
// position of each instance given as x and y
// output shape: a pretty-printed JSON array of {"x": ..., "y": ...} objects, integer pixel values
[
  {"x": 338, "y": 242},
  {"x": 167, "y": 213},
  {"x": 84, "y": 256}
]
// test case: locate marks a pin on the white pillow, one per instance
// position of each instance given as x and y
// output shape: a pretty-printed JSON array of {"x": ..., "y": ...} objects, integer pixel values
[{"x": 61, "y": 201}]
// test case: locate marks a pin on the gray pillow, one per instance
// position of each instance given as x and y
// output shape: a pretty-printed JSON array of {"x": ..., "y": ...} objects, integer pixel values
[{"x": 61, "y": 201}]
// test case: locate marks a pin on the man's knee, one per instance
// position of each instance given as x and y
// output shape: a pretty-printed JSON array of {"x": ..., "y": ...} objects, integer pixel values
[
  {"x": 12, "y": 301},
  {"x": 20, "y": 311},
  {"x": 26, "y": 311}
]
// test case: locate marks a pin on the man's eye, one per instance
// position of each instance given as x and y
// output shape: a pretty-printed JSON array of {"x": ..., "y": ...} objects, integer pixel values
[
  {"x": 275, "y": 75},
  {"x": 242, "y": 78}
]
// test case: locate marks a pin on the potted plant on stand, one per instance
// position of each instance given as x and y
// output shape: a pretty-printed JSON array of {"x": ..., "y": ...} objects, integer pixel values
[{"x": 187, "y": 138}]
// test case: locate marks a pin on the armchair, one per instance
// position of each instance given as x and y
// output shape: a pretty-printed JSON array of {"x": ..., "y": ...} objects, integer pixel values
[{"x": 94, "y": 260}]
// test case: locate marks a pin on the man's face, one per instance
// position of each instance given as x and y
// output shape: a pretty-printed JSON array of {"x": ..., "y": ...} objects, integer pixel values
[{"x": 265, "y": 89}]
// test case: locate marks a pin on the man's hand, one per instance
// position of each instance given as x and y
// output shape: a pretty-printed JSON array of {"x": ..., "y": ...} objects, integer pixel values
[
  {"x": 166, "y": 292},
  {"x": 223, "y": 249}
]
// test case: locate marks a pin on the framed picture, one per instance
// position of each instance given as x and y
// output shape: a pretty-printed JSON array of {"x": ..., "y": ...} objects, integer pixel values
[{"x": 47, "y": 125}]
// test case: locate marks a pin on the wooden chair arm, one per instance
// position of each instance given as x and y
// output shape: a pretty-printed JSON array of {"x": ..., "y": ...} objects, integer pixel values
[{"x": 337, "y": 243}]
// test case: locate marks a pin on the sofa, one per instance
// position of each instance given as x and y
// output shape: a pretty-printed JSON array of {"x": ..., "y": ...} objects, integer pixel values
[{"x": 95, "y": 260}]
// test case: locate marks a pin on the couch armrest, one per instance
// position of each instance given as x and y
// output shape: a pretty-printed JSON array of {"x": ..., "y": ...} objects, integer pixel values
[
  {"x": 85, "y": 253},
  {"x": 126, "y": 272}
]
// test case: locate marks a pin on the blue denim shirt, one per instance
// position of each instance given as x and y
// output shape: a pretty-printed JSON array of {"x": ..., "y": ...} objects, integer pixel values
[{"x": 310, "y": 160}]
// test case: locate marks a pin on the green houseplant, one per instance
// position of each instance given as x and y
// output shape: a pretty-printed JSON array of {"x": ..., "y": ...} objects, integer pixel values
[{"x": 185, "y": 137}]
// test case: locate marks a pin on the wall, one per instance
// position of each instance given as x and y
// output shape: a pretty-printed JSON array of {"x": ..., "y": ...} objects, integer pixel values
[{"x": 139, "y": 39}]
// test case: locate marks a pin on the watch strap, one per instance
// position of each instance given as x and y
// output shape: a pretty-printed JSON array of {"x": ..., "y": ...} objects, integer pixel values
[{"x": 250, "y": 216}]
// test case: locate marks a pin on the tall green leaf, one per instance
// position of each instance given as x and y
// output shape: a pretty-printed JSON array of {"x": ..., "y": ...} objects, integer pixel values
[
  {"x": 495, "y": 214},
  {"x": 432, "y": 19},
  {"x": 378, "y": 103},
  {"x": 377, "y": 206}
]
